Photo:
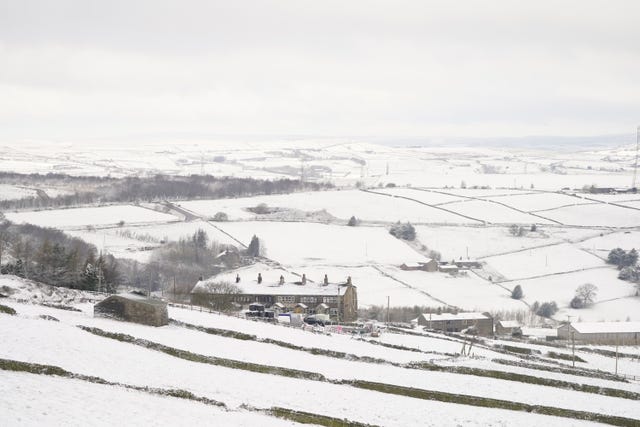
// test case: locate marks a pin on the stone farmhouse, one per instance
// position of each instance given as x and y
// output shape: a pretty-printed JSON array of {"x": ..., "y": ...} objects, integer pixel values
[{"x": 337, "y": 299}]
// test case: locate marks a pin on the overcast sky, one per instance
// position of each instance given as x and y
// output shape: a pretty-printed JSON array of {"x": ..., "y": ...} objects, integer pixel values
[{"x": 120, "y": 69}]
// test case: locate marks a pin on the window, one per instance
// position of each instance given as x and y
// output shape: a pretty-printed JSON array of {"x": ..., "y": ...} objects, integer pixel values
[
  {"x": 286, "y": 299},
  {"x": 308, "y": 299},
  {"x": 330, "y": 300}
]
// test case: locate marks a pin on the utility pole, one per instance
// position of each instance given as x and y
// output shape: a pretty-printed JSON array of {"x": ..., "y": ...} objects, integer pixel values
[
  {"x": 616, "y": 354},
  {"x": 388, "y": 299},
  {"x": 635, "y": 166},
  {"x": 573, "y": 342}
]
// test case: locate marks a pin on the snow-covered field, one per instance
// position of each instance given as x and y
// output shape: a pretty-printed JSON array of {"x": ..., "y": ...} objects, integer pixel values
[
  {"x": 544, "y": 261},
  {"x": 10, "y": 192},
  {"x": 341, "y": 204},
  {"x": 306, "y": 244},
  {"x": 83, "y": 217}
]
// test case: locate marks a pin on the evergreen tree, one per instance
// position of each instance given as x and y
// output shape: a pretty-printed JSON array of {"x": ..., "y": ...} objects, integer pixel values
[
  {"x": 254, "y": 247},
  {"x": 517, "y": 292}
]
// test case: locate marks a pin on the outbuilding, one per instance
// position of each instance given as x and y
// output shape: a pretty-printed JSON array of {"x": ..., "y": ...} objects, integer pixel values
[
  {"x": 507, "y": 327},
  {"x": 621, "y": 333},
  {"x": 133, "y": 308}
]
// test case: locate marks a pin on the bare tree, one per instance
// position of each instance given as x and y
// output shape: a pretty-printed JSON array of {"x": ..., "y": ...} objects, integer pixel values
[
  {"x": 586, "y": 294},
  {"x": 220, "y": 295}
]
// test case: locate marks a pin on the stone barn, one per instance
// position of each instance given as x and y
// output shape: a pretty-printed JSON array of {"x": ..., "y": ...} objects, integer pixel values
[{"x": 133, "y": 308}]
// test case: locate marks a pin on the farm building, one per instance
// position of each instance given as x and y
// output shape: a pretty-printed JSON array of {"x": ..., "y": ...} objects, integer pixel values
[
  {"x": 339, "y": 300},
  {"x": 467, "y": 263},
  {"x": 622, "y": 333},
  {"x": 133, "y": 308},
  {"x": 430, "y": 265},
  {"x": 450, "y": 322},
  {"x": 449, "y": 268},
  {"x": 507, "y": 327}
]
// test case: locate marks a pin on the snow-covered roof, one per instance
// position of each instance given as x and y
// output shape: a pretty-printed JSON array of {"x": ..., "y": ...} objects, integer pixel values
[
  {"x": 606, "y": 327},
  {"x": 509, "y": 323},
  {"x": 450, "y": 316},
  {"x": 270, "y": 282},
  {"x": 539, "y": 332}
]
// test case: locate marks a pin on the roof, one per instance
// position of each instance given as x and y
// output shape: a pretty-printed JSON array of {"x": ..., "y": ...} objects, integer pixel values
[
  {"x": 136, "y": 298},
  {"x": 270, "y": 282},
  {"x": 606, "y": 327},
  {"x": 301, "y": 305},
  {"x": 448, "y": 267},
  {"x": 451, "y": 316},
  {"x": 539, "y": 332},
  {"x": 509, "y": 323}
]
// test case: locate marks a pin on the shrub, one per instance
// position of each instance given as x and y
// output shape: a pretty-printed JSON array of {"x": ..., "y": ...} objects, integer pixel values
[
  {"x": 517, "y": 292},
  {"x": 545, "y": 309},
  {"x": 631, "y": 274},
  {"x": 262, "y": 209},
  {"x": 517, "y": 231},
  {"x": 403, "y": 231},
  {"x": 622, "y": 258},
  {"x": 220, "y": 217},
  {"x": 7, "y": 310},
  {"x": 352, "y": 222},
  {"x": 576, "y": 302}
]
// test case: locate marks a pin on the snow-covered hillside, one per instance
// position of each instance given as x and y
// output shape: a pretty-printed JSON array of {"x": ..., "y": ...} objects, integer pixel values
[{"x": 224, "y": 365}]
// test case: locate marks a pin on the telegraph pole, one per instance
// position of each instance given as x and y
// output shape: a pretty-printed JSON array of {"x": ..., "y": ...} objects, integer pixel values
[
  {"x": 388, "y": 299},
  {"x": 616, "y": 355},
  {"x": 573, "y": 342},
  {"x": 635, "y": 166}
]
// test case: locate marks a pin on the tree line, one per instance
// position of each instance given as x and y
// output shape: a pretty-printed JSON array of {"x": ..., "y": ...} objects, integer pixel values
[
  {"x": 146, "y": 189},
  {"x": 49, "y": 256}
]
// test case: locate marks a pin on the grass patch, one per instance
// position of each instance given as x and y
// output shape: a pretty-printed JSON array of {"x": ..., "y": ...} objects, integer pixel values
[
  {"x": 309, "y": 418},
  {"x": 493, "y": 403},
  {"x": 508, "y": 376},
  {"x": 284, "y": 413},
  {"x": 61, "y": 307},
  {"x": 563, "y": 370},
  {"x": 563, "y": 356},
  {"x": 311, "y": 350},
  {"x": 35, "y": 368},
  {"x": 7, "y": 310},
  {"x": 527, "y": 379},
  {"x": 211, "y": 360},
  {"x": 518, "y": 350}
]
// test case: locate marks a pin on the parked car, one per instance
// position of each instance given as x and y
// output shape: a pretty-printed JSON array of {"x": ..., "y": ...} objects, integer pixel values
[{"x": 317, "y": 320}]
